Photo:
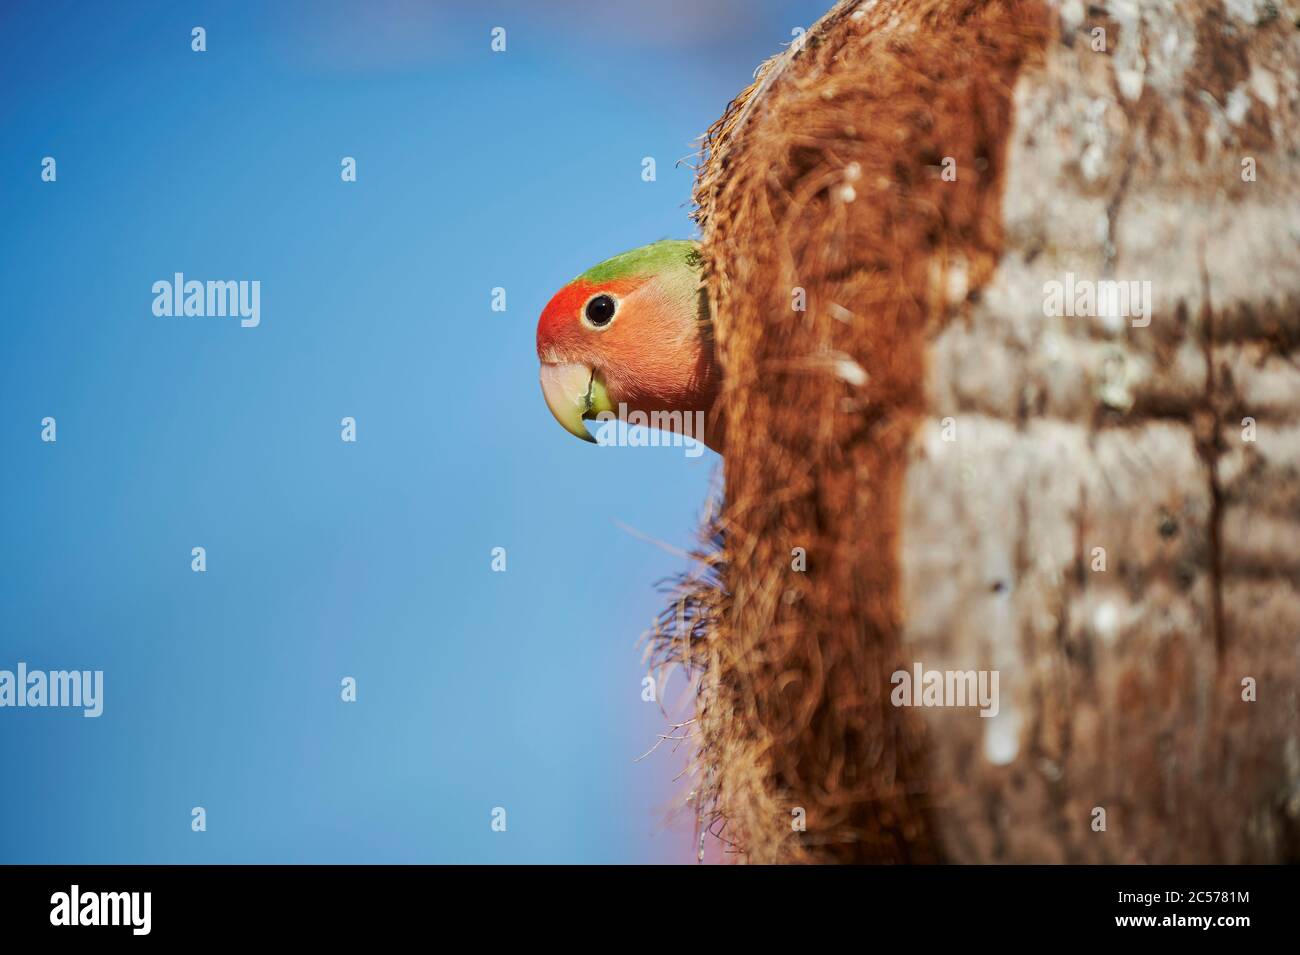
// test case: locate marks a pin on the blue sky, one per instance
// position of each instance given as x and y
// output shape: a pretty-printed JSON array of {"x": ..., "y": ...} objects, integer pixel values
[{"x": 329, "y": 559}]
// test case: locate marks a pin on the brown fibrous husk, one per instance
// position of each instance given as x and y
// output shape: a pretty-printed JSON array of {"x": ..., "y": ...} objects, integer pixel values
[{"x": 825, "y": 176}]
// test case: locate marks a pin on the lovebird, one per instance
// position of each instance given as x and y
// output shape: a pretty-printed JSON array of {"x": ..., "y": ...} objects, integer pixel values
[{"x": 633, "y": 334}]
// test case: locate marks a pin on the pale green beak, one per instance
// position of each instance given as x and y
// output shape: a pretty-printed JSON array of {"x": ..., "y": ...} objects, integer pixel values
[{"x": 574, "y": 393}]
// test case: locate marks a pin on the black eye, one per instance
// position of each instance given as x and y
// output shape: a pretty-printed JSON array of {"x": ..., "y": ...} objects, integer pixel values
[{"x": 600, "y": 310}]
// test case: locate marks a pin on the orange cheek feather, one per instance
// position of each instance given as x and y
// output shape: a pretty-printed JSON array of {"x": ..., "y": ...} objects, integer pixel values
[
  {"x": 649, "y": 358},
  {"x": 560, "y": 328}
]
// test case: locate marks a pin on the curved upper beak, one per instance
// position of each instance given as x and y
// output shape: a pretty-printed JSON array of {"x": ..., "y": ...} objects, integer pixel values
[{"x": 574, "y": 393}]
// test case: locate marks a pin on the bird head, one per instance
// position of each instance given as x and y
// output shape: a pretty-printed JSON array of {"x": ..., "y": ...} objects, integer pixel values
[{"x": 631, "y": 333}]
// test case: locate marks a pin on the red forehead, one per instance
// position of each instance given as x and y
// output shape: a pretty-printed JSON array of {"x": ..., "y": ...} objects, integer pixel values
[{"x": 562, "y": 311}]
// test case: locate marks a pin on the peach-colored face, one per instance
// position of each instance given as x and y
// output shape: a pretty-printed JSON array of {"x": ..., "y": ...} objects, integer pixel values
[
  {"x": 566, "y": 333},
  {"x": 623, "y": 342}
]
